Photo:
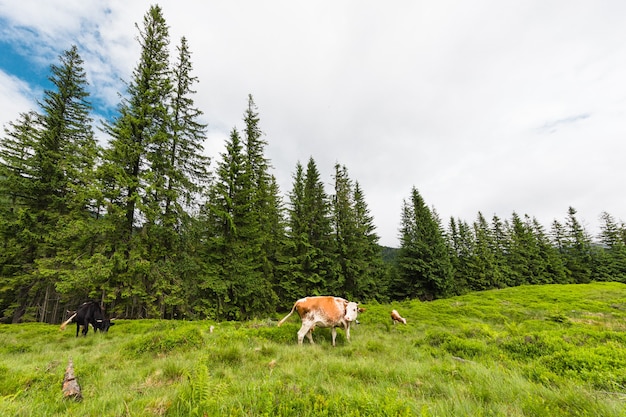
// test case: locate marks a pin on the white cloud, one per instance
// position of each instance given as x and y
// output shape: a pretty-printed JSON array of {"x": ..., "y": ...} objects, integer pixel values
[{"x": 20, "y": 98}]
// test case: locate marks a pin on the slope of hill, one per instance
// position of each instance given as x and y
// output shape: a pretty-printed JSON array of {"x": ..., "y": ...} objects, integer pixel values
[{"x": 555, "y": 350}]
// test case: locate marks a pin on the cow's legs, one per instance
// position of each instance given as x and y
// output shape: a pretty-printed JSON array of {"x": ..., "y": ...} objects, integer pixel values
[
  {"x": 86, "y": 325},
  {"x": 348, "y": 331},
  {"x": 333, "y": 332},
  {"x": 305, "y": 330}
]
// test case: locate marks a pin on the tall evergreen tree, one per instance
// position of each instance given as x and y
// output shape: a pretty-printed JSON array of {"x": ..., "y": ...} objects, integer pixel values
[
  {"x": 67, "y": 157},
  {"x": 553, "y": 269},
  {"x": 227, "y": 215},
  {"x": 531, "y": 257},
  {"x": 424, "y": 260},
  {"x": 275, "y": 246},
  {"x": 577, "y": 251},
  {"x": 51, "y": 189},
  {"x": 136, "y": 167},
  {"x": 373, "y": 282},
  {"x": 523, "y": 254},
  {"x": 67, "y": 150},
  {"x": 17, "y": 172},
  {"x": 311, "y": 244},
  {"x": 486, "y": 273},
  {"x": 267, "y": 234},
  {"x": 184, "y": 173},
  {"x": 461, "y": 243},
  {"x": 291, "y": 284},
  {"x": 18, "y": 222},
  {"x": 501, "y": 242},
  {"x": 611, "y": 263},
  {"x": 188, "y": 173},
  {"x": 358, "y": 254},
  {"x": 345, "y": 235},
  {"x": 234, "y": 282}
]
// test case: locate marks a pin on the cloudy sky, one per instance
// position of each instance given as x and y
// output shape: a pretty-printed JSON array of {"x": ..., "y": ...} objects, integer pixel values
[{"x": 484, "y": 105}]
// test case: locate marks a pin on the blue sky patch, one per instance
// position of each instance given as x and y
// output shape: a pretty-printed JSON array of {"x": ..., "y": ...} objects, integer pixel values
[{"x": 16, "y": 64}]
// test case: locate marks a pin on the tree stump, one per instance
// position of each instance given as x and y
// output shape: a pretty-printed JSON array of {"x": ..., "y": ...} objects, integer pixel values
[{"x": 71, "y": 389}]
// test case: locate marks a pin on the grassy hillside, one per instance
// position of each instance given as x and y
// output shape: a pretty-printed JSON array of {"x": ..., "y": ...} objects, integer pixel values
[{"x": 527, "y": 351}]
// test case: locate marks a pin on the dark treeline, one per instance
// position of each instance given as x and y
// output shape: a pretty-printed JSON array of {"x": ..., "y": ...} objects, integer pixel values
[
  {"x": 436, "y": 261},
  {"x": 151, "y": 228}
]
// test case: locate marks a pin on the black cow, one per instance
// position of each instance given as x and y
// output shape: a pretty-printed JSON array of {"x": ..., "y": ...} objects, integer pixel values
[{"x": 89, "y": 313}]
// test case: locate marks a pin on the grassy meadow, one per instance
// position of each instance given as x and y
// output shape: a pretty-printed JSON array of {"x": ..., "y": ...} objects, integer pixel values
[{"x": 554, "y": 350}]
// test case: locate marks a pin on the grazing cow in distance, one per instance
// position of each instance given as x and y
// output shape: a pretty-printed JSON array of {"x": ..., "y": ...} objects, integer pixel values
[
  {"x": 324, "y": 311},
  {"x": 395, "y": 317},
  {"x": 89, "y": 313}
]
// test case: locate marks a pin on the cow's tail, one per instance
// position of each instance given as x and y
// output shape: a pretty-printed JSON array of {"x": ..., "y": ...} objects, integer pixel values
[
  {"x": 68, "y": 321},
  {"x": 290, "y": 313}
]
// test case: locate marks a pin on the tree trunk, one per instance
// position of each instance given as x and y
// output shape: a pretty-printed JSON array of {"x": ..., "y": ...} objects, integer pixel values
[{"x": 71, "y": 389}]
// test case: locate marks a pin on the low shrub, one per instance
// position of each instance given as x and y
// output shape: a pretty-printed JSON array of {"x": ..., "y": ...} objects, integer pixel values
[{"x": 531, "y": 346}]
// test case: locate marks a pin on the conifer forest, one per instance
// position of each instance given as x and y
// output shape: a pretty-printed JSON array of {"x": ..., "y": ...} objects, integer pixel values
[{"x": 147, "y": 224}]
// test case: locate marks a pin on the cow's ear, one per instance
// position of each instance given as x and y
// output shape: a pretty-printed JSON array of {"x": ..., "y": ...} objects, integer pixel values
[{"x": 361, "y": 309}]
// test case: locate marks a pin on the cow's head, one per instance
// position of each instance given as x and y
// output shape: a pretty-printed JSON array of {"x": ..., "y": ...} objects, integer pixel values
[
  {"x": 103, "y": 325},
  {"x": 352, "y": 309}
]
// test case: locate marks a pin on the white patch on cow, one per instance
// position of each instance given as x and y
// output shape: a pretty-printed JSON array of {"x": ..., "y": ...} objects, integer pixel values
[{"x": 352, "y": 310}]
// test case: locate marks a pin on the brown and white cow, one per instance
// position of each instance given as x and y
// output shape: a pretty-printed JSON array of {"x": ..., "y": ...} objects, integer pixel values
[
  {"x": 395, "y": 317},
  {"x": 323, "y": 311}
]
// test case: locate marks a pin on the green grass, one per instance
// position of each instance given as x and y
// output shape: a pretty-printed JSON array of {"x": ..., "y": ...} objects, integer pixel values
[{"x": 556, "y": 350}]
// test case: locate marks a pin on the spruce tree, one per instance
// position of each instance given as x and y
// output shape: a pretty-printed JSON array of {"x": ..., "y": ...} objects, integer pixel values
[
  {"x": 67, "y": 158},
  {"x": 136, "y": 168},
  {"x": 18, "y": 222},
  {"x": 577, "y": 250},
  {"x": 51, "y": 189},
  {"x": 611, "y": 263},
  {"x": 184, "y": 170},
  {"x": 311, "y": 243},
  {"x": 321, "y": 266},
  {"x": 461, "y": 244},
  {"x": 501, "y": 242},
  {"x": 374, "y": 280},
  {"x": 424, "y": 262},
  {"x": 233, "y": 281},
  {"x": 188, "y": 173},
  {"x": 228, "y": 213},
  {"x": 276, "y": 245},
  {"x": 267, "y": 229},
  {"x": 532, "y": 259},
  {"x": 246, "y": 228},
  {"x": 358, "y": 254},
  {"x": 553, "y": 271},
  {"x": 345, "y": 235},
  {"x": 485, "y": 273},
  {"x": 17, "y": 191},
  {"x": 67, "y": 150},
  {"x": 291, "y": 284},
  {"x": 140, "y": 131},
  {"x": 522, "y": 254}
]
